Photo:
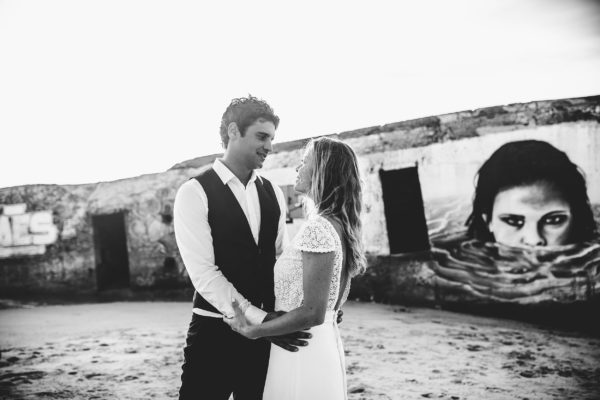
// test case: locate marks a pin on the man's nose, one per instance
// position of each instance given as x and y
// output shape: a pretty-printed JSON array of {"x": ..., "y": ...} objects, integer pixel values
[
  {"x": 268, "y": 146},
  {"x": 530, "y": 236}
]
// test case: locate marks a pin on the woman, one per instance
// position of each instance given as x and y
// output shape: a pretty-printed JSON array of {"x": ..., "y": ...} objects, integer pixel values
[
  {"x": 529, "y": 193},
  {"x": 312, "y": 278}
]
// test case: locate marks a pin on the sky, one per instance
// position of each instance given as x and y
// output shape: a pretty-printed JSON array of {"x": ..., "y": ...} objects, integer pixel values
[{"x": 102, "y": 90}]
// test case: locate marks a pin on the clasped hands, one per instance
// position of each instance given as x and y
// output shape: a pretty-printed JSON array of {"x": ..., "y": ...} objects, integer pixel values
[
  {"x": 238, "y": 321},
  {"x": 290, "y": 342}
]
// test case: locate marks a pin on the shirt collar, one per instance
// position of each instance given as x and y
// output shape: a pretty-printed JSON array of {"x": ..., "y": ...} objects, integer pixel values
[{"x": 226, "y": 175}]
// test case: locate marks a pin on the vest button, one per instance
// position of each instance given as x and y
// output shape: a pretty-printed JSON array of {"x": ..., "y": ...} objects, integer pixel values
[{"x": 259, "y": 252}]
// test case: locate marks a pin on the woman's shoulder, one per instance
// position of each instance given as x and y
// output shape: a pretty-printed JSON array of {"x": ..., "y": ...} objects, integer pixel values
[
  {"x": 332, "y": 224},
  {"x": 317, "y": 232}
]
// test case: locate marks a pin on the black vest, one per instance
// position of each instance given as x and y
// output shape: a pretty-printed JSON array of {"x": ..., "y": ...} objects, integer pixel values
[{"x": 249, "y": 267}]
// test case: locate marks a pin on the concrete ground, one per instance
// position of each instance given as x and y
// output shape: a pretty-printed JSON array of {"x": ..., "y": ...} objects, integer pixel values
[{"x": 133, "y": 350}]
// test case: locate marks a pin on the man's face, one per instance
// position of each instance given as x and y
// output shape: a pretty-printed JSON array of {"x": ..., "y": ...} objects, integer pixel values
[{"x": 252, "y": 148}]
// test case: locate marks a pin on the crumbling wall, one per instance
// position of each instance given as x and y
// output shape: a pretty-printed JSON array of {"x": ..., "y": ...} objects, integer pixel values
[
  {"x": 65, "y": 264},
  {"x": 154, "y": 260},
  {"x": 442, "y": 128},
  {"x": 447, "y": 150},
  {"x": 68, "y": 264}
]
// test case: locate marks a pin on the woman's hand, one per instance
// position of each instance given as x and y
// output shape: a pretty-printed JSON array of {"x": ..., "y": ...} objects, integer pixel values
[{"x": 238, "y": 321}]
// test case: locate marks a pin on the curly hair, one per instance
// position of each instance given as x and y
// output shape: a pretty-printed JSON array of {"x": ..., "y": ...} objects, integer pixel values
[
  {"x": 336, "y": 191},
  {"x": 524, "y": 163},
  {"x": 244, "y": 111}
]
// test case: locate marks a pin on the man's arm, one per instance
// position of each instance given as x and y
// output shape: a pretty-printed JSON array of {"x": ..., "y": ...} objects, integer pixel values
[{"x": 194, "y": 240}]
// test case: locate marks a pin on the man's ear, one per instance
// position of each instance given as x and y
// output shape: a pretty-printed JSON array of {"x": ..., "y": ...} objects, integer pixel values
[{"x": 232, "y": 130}]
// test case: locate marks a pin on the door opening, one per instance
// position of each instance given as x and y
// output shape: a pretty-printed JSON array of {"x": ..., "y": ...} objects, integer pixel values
[
  {"x": 404, "y": 213},
  {"x": 110, "y": 242}
]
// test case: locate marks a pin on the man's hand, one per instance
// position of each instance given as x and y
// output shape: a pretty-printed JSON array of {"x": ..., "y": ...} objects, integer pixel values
[
  {"x": 291, "y": 341},
  {"x": 238, "y": 322}
]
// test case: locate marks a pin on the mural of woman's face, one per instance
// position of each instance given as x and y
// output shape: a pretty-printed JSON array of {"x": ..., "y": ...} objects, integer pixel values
[{"x": 531, "y": 215}]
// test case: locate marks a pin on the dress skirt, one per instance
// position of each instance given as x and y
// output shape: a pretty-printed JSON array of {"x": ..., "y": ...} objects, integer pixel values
[{"x": 314, "y": 372}]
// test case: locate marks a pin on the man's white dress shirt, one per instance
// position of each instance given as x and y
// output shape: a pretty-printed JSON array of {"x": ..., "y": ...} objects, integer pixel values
[{"x": 193, "y": 235}]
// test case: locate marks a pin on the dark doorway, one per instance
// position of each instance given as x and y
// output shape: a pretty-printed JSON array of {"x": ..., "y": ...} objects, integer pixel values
[
  {"x": 110, "y": 242},
  {"x": 404, "y": 213}
]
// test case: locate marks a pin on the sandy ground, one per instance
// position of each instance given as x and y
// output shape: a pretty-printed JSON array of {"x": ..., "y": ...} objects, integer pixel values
[{"x": 134, "y": 351}]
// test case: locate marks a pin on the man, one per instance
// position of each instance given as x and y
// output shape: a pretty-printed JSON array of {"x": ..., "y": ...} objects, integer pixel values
[{"x": 229, "y": 226}]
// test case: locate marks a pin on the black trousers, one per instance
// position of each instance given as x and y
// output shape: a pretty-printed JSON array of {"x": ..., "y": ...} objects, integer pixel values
[{"x": 219, "y": 362}]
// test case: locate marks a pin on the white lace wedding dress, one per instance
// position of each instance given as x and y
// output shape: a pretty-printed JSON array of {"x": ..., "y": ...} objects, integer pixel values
[{"x": 316, "y": 371}]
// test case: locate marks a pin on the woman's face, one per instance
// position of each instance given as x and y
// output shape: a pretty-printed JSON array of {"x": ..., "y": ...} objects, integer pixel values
[
  {"x": 532, "y": 215},
  {"x": 304, "y": 170}
]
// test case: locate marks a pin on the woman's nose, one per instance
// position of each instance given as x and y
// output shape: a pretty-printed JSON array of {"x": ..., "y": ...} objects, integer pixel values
[{"x": 530, "y": 236}]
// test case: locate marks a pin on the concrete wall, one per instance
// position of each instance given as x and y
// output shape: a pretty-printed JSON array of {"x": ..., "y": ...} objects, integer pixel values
[
  {"x": 69, "y": 262},
  {"x": 447, "y": 150},
  {"x": 63, "y": 265},
  {"x": 25, "y": 233},
  {"x": 447, "y": 170}
]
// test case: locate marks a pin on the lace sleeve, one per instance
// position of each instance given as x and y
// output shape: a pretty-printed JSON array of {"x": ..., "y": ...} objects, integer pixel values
[{"x": 315, "y": 237}]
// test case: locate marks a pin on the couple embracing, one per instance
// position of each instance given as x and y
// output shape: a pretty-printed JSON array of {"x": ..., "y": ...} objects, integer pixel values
[{"x": 264, "y": 322}]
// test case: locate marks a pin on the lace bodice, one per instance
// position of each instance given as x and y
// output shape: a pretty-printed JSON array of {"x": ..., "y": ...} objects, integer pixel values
[{"x": 317, "y": 235}]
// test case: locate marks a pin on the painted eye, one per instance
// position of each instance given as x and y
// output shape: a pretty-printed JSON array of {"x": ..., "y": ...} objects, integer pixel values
[
  {"x": 557, "y": 219},
  {"x": 513, "y": 220}
]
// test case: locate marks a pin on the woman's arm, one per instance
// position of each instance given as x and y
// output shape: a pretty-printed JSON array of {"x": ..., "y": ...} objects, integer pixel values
[{"x": 316, "y": 280}]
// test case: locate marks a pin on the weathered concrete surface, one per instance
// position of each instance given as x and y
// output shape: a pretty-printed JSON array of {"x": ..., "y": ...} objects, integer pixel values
[
  {"x": 447, "y": 149},
  {"x": 25, "y": 233},
  {"x": 64, "y": 266},
  {"x": 569, "y": 298},
  {"x": 447, "y": 170},
  {"x": 134, "y": 351},
  {"x": 459, "y": 125},
  {"x": 68, "y": 264}
]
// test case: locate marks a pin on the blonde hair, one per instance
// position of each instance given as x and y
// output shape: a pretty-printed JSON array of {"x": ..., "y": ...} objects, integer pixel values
[{"x": 336, "y": 192}]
